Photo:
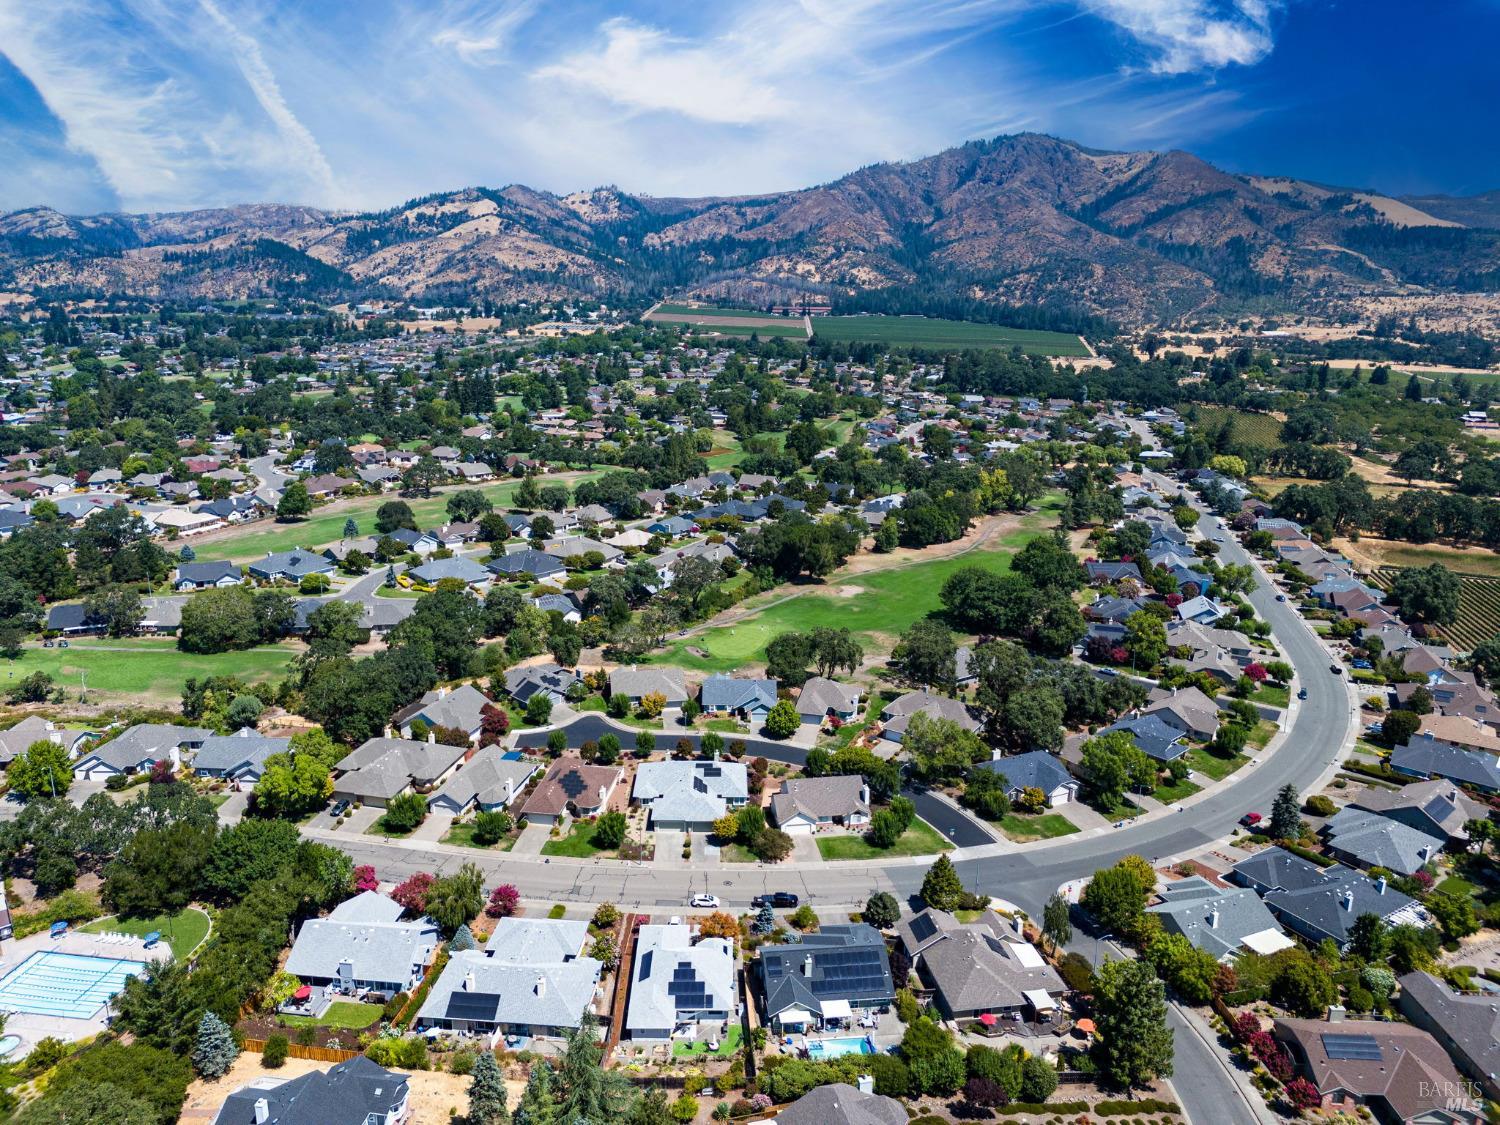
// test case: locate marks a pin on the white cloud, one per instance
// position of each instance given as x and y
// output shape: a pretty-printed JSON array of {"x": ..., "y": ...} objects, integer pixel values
[
  {"x": 1191, "y": 35},
  {"x": 477, "y": 31}
]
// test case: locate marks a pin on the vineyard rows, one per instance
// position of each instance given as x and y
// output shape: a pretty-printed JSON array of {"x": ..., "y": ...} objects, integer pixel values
[{"x": 1478, "y": 608}]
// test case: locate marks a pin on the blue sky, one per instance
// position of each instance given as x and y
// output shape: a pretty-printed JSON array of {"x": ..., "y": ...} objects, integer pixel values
[{"x": 169, "y": 104}]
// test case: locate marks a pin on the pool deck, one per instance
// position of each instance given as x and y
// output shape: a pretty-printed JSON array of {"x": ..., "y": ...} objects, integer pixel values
[{"x": 31, "y": 1027}]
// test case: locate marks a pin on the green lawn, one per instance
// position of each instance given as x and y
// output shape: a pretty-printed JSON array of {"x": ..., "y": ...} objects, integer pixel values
[
  {"x": 920, "y": 839},
  {"x": 1457, "y": 885},
  {"x": 727, "y": 1046},
  {"x": 1176, "y": 791},
  {"x": 736, "y": 853},
  {"x": 578, "y": 843},
  {"x": 1274, "y": 695},
  {"x": 886, "y": 604},
  {"x": 184, "y": 932},
  {"x": 1047, "y": 826},
  {"x": 1264, "y": 731},
  {"x": 1125, "y": 809},
  {"x": 933, "y": 332},
  {"x": 726, "y": 726},
  {"x": 140, "y": 666},
  {"x": 462, "y": 834},
  {"x": 1211, "y": 765},
  {"x": 343, "y": 1014}
]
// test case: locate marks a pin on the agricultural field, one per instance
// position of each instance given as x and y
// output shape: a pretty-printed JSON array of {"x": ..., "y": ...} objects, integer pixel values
[
  {"x": 1370, "y": 553},
  {"x": 1250, "y": 429},
  {"x": 1478, "y": 608},
  {"x": 146, "y": 669},
  {"x": 728, "y": 322},
  {"x": 930, "y": 332}
]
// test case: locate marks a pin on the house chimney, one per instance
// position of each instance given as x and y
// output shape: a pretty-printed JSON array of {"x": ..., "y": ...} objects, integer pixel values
[
  {"x": 442, "y": 692},
  {"x": 1424, "y": 853},
  {"x": 865, "y": 1083},
  {"x": 807, "y": 965},
  {"x": 388, "y": 732},
  {"x": 1335, "y": 1013},
  {"x": 864, "y": 795},
  {"x": 1347, "y": 898},
  {"x": 603, "y": 796},
  {"x": 510, "y": 789},
  {"x": 1213, "y": 918},
  {"x": 541, "y": 987},
  {"x": 1380, "y": 885},
  {"x": 262, "y": 1111},
  {"x": 468, "y": 982},
  {"x": 432, "y": 738}
]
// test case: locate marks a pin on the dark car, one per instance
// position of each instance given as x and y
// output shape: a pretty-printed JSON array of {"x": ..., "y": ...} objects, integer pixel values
[
  {"x": 1302, "y": 694},
  {"x": 1335, "y": 669},
  {"x": 779, "y": 899},
  {"x": 339, "y": 808}
]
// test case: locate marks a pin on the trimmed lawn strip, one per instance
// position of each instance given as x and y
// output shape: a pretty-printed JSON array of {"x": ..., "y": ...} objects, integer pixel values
[
  {"x": 1176, "y": 791},
  {"x": 145, "y": 666},
  {"x": 184, "y": 931},
  {"x": 462, "y": 834},
  {"x": 697, "y": 1050},
  {"x": 344, "y": 1014},
  {"x": 1273, "y": 695},
  {"x": 1211, "y": 765},
  {"x": 920, "y": 839},
  {"x": 1047, "y": 826},
  {"x": 1125, "y": 810},
  {"x": 577, "y": 844}
]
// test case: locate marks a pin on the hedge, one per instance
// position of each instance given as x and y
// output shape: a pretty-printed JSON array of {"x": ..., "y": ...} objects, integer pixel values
[
  {"x": 1062, "y": 1109},
  {"x": 414, "y": 1005},
  {"x": 1144, "y": 1107},
  {"x": 1382, "y": 773},
  {"x": 1307, "y": 854}
]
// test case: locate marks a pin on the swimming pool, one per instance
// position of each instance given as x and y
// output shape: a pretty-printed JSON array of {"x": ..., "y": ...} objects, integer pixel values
[
  {"x": 71, "y": 985},
  {"x": 837, "y": 1048}
]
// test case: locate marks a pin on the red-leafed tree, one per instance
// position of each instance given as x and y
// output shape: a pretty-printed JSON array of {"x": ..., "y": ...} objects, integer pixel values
[
  {"x": 412, "y": 894},
  {"x": 1256, "y": 672},
  {"x": 1303, "y": 1094},
  {"x": 494, "y": 724},
  {"x": 504, "y": 900},
  {"x": 364, "y": 878}
]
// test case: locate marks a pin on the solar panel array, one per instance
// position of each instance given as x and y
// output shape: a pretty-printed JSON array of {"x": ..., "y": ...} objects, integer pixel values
[
  {"x": 923, "y": 927},
  {"x": 481, "y": 1006},
  {"x": 690, "y": 993},
  {"x": 572, "y": 784},
  {"x": 1362, "y": 1047},
  {"x": 853, "y": 972}
]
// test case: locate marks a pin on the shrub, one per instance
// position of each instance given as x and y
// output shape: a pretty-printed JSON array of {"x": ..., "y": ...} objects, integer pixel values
[
  {"x": 685, "y": 1108},
  {"x": 1320, "y": 805},
  {"x": 275, "y": 1052},
  {"x": 804, "y": 918},
  {"x": 503, "y": 901}
]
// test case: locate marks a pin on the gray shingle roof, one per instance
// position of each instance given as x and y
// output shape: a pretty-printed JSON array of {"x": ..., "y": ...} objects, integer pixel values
[
  {"x": 383, "y": 767},
  {"x": 245, "y": 750},
  {"x": 483, "y": 779},
  {"x": 351, "y": 1093},
  {"x": 666, "y": 954},
  {"x": 841, "y": 1104},
  {"x": 1377, "y": 841},
  {"x": 1036, "y": 769},
  {"x": 1212, "y": 918},
  {"x": 820, "y": 798},
  {"x": 145, "y": 742},
  {"x": 376, "y": 951},
  {"x": 637, "y": 682},
  {"x": 821, "y": 695},
  {"x": 732, "y": 693},
  {"x": 817, "y": 970}
]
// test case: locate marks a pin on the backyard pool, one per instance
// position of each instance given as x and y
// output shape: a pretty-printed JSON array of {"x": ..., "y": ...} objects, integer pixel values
[
  {"x": 837, "y": 1048},
  {"x": 70, "y": 985}
]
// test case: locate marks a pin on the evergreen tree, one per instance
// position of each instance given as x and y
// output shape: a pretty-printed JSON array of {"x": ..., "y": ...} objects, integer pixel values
[
  {"x": 765, "y": 921},
  {"x": 1130, "y": 1006},
  {"x": 941, "y": 887},
  {"x": 463, "y": 938},
  {"x": 351, "y": 529},
  {"x": 487, "y": 1093},
  {"x": 539, "y": 1099},
  {"x": 215, "y": 1050},
  {"x": 1286, "y": 818},
  {"x": 187, "y": 554},
  {"x": 652, "y": 1108},
  {"x": 591, "y": 1093},
  {"x": 1057, "y": 928}
]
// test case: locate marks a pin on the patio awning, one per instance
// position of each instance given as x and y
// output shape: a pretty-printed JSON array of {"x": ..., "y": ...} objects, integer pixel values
[
  {"x": 836, "y": 1010},
  {"x": 1267, "y": 941},
  {"x": 1039, "y": 999},
  {"x": 302, "y": 993}
]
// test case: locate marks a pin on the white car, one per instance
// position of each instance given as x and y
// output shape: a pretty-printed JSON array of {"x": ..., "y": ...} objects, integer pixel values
[{"x": 707, "y": 902}]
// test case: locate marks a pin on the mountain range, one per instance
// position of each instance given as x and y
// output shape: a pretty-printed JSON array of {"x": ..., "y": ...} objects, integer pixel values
[{"x": 1018, "y": 220}]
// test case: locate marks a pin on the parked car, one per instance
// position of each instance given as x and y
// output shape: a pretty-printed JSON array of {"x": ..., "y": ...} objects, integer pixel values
[
  {"x": 1335, "y": 669},
  {"x": 1363, "y": 664},
  {"x": 62, "y": 644},
  {"x": 1281, "y": 597},
  {"x": 779, "y": 899},
  {"x": 707, "y": 902},
  {"x": 1250, "y": 819},
  {"x": 339, "y": 809},
  {"x": 1301, "y": 693}
]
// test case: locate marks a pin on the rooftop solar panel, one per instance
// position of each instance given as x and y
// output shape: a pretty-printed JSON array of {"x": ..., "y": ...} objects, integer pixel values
[
  {"x": 472, "y": 1006},
  {"x": 572, "y": 784},
  {"x": 1363, "y": 1047}
]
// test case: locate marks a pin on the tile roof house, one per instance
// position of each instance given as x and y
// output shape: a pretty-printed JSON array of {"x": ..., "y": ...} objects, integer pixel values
[
  {"x": 838, "y": 1103},
  {"x": 200, "y": 576},
  {"x": 1399, "y": 1072},
  {"x": 551, "y": 680},
  {"x": 1153, "y": 736},
  {"x": 897, "y": 714},
  {"x": 1035, "y": 769},
  {"x": 825, "y": 977},
  {"x": 1222, "y": 921},
  {"x": 1190, "y": 711},
  {"x": 805, "y": 804},
  {"x": 1368, "y": 839},
  {"x": 363, "y": 944},
  {"x": 636, "y": 683},
  {"x": 1425, "y": 756},
  {"x": 980, "y": 968},
  {"x": 457, "y": 708},
  {"x": 822, "y": 698},
  {"x": 746, "y": 698},
  {"x": 356, "y": 1092},
  {"x": 491, "y": 779},
  {"x": 531, "y": 979},
  {"x": 689, "y": 795},
  {"x": 382, "y": 768},
  {"x": 674, "y": 982},
  {"x": 1466, "y": 1024},
  {"x": 16, "y": 739},
  {"x": 571, "y": 788},
  {"x": 139, "y": 748},
  {"x": 240, "y": 756}
]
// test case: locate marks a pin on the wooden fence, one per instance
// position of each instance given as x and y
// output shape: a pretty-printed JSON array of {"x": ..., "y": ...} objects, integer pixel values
[{"x": 298, "y": 1051}]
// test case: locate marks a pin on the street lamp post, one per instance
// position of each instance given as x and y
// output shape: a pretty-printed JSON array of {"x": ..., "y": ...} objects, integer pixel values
[{"x": 1097, "y": 940}]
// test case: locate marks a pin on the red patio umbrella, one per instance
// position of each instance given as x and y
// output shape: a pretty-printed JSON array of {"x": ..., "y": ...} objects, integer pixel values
[
  {"x": 987, "y": 1018},
  {"x": 302, "y": 993}
]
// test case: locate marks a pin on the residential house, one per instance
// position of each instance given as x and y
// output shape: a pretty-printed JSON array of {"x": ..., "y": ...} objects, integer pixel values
[
  {"x": 820, "y": 981},
  {"x": 459, "y": 708},
  {"x": 551, "y": 680},
  {"x": 382, "y": 768},
  {"x": 1153, "y": 736},
  {"x": 240, "y": 756},
  {"x": 741, "y": 697},
  {"x": 202, "y": 575},
  {"x": 1438, "y": 808},
  {"x": 839, "y": 1103},
  {"x": 1113, "y": 610},
  {"x": 806, "y": 804},
  {"x": 1222, "y": 921},
  {"x": 464, "y": 570},
  {"x": 1276, "y": 869},
  {"x": 822, "y": 698},
  {"x": 139, "y": 748},
  {"x": 357, "y": 1092},
  {"x": 363, "y": 945},
  {"x": 1466, "y": 1024},
  {"x": 290, "y": 566},
  {"x": 1201, "y": 609},
  {"x": 689, "y": 795},
  {"x": 571, "y": 788},
  {"x": 981, "y": 970},
  {"x": 492, "y": 779},
  {"x": 677, "y": 985},
  {"x": 897, "y": 714},
  {"x": 1329, "y": 909},
  {"x": 1368, "y": 839},
  {"x": 1398, "y": 1072},
  {"x": 1425, "y": 756},
  {"x": 1110, "y": 572},
  {"x": 16, "y": 740},
  {"x": 576, "y": 546},
  {"x": 528, "y": 562},
  {"x": 561, "y": 604},
  {"x": 1189, "y": 711},
  {"x": 636, "y": 683},
  {"x": 530, "y": 980},
  {"x": 74, "y": 620},
  {"x": 1035, "y": 769}
]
